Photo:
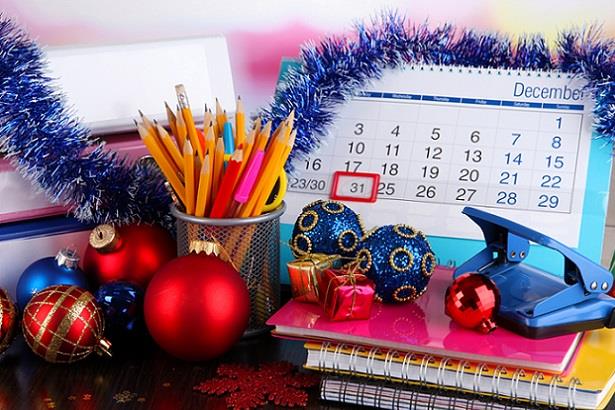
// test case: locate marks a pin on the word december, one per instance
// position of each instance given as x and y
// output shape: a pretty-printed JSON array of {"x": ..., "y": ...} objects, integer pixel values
[{"x": 547, "y": 93}]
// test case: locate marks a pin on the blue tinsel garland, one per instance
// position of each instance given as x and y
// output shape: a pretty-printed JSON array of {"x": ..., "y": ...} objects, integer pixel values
[
  {"x": 330, "y": 72},
  {"x": 47, "y": 143},
  {"x": 49, "y": 146}
]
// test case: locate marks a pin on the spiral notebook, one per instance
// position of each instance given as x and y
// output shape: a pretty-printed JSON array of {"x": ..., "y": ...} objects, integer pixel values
[
  {"x": 589, "y": 380},
  {"x": 422, "y": 327},
  {"x": 391, "y": 396}
]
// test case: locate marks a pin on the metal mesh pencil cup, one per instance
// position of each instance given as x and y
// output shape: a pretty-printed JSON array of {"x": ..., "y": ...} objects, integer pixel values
[{"x": 253, "y": 246}]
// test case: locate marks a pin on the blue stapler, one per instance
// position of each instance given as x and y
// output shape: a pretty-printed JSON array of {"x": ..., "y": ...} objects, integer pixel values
[{"x": 534, "y": 303}]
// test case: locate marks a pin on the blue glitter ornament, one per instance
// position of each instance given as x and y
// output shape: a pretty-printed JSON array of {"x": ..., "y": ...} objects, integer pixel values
[
  {"x": 59, "y": 270},
  {"x": 328, "y": 227},
  {"x": 122, "y": 306},
  {"x": 399, "y": 260}
]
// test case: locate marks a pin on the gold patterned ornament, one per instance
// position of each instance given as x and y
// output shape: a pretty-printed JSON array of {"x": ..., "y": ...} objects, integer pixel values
[{"x": 63, "y": 324}]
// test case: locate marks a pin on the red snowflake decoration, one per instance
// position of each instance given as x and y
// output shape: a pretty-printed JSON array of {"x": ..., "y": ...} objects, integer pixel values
[{"x": 249, "y": 387}]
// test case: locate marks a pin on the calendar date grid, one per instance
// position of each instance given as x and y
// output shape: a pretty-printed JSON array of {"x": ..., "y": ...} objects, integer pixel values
[{"x": 538, "y": 174}]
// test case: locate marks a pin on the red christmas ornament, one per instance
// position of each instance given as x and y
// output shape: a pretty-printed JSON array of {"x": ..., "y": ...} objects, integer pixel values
[
  {"x": 196, "y": 307},
  {"x": 472, "y": 301},
  {"x": 130, "y": 253},
  {"x": 8, "y": 320},
  {"x": 62, "y": 324}
]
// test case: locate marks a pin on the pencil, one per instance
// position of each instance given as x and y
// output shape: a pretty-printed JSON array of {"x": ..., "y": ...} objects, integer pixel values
[
  {"x": 218, "y": 168},
  {"x": 182, "y": 132},
  {"x": 172, "y": 120},
  {"x": 189, "y": 177},
  {"x": 271, "y": 179},
  {"x": 184, "y": 105},
  {"x": 257, "y": 125},
  {"x": 170, "y": 147},
  {"x": 163, "y": 163},
  {"x": 240, "y": 123},
  {"x": 204, "y": 187},
  {"x": 229, "y": 143},
  {"x": 220, "y": 117},
  {"x": 247, "y": 149},
  {"x": 227, "y": 186}
]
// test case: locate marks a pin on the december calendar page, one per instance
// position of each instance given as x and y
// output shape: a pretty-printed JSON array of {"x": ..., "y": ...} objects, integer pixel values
[{"x": 515, "y": 143}]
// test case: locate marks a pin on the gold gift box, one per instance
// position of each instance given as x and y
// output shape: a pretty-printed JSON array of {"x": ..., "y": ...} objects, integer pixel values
[{"x": 303, "y": 274}]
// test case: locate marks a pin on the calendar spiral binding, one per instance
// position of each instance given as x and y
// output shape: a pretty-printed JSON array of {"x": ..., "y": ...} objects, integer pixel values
[
  {"x": 551, "y": 73},
  {"x": 413, "y": 390}
]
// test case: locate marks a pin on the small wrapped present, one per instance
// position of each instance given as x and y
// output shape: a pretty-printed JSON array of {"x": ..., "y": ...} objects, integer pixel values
[
  {"x": 303, "y": 274},
  {"x": 346, "y": 295}
]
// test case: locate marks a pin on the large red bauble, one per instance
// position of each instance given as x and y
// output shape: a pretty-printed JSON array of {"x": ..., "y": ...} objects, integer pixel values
[
  {"x": 8, "y": 320},
  {"x": 472, "y": 300},
  {"x": 63, "y": 324},
  {"x": 196, "y": 307},
  {"x": 130, "y": 253}
]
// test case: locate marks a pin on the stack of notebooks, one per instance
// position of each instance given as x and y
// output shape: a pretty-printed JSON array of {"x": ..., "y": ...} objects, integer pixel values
[{"x": 414, "y": 356}]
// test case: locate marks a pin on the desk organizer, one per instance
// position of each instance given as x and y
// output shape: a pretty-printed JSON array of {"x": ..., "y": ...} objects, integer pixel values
[{"x": 252, "y": 245}]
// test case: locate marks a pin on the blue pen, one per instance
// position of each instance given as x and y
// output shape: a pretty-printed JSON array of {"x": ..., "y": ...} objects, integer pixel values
[{"x": 229, "y": 143}]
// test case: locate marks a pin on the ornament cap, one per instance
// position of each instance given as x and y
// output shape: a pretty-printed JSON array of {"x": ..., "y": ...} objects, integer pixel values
[
  {"x": 104, "y": 238},
  {"x": 487, "y": 326},
  {"x": 68, "y": 258},
  {"x": 103, "y": 347},
  {"x": 209, "y": 248}
]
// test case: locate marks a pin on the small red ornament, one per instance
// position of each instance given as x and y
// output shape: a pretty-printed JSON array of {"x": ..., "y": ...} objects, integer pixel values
[
  {"x": 8, "y": 320},
  {"x": 62, "y": 324},
  {"x": 130, "y": 253},
  {"x": 196, "y": 307},
  {"x": 472, "y": 300}
]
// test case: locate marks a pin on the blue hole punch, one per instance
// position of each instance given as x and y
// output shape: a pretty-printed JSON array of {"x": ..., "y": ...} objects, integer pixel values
[{"x": 534, "y": 303}]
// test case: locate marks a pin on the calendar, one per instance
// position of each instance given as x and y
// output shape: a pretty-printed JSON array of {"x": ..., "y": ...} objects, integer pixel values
[{"x": 430, "y": 140}]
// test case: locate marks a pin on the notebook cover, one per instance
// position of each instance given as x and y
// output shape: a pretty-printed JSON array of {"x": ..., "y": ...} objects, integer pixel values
[{"x": 424, "y": 328}]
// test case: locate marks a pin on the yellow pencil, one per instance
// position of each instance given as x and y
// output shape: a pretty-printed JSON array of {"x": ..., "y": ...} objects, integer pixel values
[
  {"x": 172, "y": 119},
  {"x": 267, "y": 172},
  {"x": 147, "y": 123},
  {"x": 204, "y": 188},
  {"x": 184, "y": 105},
  {"x": 182, "y": 132},
  {"x": 257, "y": 125},
  {"x": 263, "y": 137},
  {"x": 164, "y": 165},
  {"x": 189, "y": 177},
  {"x": 271, "y": 179},
  {"x": 170, "y": 147},
  {"x": 248, "y": 145},
  {"x": 218, "y": 168},
  {"x": 240, "y": 124},
  {"x": 220, "y": 118}
]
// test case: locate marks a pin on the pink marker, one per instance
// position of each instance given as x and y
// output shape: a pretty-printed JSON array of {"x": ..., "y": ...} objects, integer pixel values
[{"x": 248, "y": 178}]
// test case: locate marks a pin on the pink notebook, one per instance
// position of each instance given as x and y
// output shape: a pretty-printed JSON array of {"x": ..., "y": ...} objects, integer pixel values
[{"x": 422, "y": 327}]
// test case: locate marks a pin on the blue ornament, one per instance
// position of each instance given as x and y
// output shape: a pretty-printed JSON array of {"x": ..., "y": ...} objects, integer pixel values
[
  {"x": 122, "y": 306},
  {"x": 59, "y": 270},
  {"x": 327, "y": 227},
  {"x": 399, "y": 260}
]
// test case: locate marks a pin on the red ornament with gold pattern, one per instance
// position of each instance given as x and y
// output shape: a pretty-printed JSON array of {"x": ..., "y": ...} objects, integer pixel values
[
  {"x": 472, "y": 301},
  {"x": 62, "y": 324}
]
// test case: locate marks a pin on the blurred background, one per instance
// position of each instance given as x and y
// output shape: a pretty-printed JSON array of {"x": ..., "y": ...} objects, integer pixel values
[{"x": 260, "y": 33}]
